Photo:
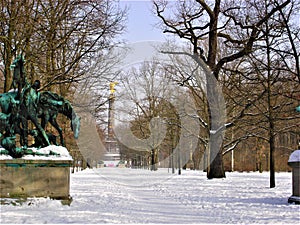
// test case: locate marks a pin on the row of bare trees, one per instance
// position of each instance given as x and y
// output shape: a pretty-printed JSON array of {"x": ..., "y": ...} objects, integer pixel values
[
  {"x": 260, "y": 37},
  {"x": 252, "y": 50}
]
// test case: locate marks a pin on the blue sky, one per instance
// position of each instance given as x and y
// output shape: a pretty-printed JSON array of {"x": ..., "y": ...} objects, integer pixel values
[{"x": 141, "y": 22}]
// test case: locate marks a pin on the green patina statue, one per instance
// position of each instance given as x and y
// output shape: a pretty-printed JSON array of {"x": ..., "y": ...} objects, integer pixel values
[
  {"x": 298, "y": 108},
  {"x": 25, "y": 103}
]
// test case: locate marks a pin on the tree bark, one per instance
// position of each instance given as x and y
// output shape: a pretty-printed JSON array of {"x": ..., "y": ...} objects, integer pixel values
[
  {"x": 272, "y": 156},
  {"x": 216, "y": 169}
]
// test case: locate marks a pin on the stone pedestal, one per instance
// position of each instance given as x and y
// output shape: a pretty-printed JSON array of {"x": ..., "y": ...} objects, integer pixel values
[
  {"x": 35, "y": 178},
  {"x": 294, "y": 162}
]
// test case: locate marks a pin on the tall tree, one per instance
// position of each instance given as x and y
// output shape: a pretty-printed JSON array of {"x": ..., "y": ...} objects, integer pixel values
[
  {"x": 16, "y": 30},
  {"x": 205, "y": 23},
  {"x": 275, "y": 78},
  {"x": 58, "y": 38}
]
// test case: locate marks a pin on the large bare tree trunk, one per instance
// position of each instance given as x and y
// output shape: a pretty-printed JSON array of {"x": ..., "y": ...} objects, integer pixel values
[
  {"x": 272, "y": 159},
  {"x": 216, "y": 169},
  {"x": 216, "y": 109}
]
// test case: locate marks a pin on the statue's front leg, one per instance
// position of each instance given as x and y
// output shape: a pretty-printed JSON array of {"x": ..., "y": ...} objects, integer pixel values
[{"x": 57, "y": 127}]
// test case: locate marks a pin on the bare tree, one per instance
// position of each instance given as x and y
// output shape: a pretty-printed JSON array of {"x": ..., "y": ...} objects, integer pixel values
[
  {"x": 274, "y": 78},
  {"x": 58, "y": 38},
  {"x": 16, "y": 30},
  {"x": 158, "y": 111},
  {"x": 145, "y": 88},
  {"x": 289, "y": 50},
  {"x": 202, "y": 23}
]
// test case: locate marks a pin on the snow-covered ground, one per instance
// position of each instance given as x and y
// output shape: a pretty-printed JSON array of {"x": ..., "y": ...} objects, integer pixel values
[{"x": 123, "y": 195}]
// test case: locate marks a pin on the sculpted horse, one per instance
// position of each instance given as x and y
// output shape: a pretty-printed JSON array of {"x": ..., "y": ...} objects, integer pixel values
[
  {"x": 50, "y": 105},
  {"x": 19, "y": 76},
  {"x": 32, "y": 105}
]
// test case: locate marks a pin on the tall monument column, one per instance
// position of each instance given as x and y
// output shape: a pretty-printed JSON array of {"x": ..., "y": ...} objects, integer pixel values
[
  {"x": 110, "y": 133},
  {"x": 113, "y": 153}
]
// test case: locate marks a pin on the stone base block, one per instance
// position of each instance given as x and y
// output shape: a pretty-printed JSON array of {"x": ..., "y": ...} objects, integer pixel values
[{"x": 35, "y": 178}]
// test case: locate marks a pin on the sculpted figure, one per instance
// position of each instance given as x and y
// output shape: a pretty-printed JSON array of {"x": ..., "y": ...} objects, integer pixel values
[{"x": 27, "y": 103}]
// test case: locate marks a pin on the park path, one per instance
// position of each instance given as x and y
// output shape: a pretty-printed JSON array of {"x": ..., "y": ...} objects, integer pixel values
[
  {"x": 136, "y": 196},
  {"x": 124, "y": 195}
]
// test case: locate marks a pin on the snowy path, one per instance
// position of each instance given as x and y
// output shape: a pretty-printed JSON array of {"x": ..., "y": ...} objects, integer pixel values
[{"x": 119, "y": 195}]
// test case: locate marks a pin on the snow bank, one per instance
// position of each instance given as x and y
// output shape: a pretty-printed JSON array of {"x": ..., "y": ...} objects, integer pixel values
[{"x": 295, "y": 156}]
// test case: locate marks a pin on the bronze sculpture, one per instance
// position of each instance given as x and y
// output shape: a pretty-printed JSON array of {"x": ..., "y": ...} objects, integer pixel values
[{"x": 27, "y": 103}]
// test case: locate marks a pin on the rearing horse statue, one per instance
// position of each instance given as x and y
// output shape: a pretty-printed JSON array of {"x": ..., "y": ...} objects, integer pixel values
[{"x": 19, "y": 76}]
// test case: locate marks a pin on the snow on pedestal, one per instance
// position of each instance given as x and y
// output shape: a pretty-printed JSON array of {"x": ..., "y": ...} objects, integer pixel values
[
  {"x": 51, "y": 152},
  {"x": 295, "y": 156},
  {"x": 46, "y": 175},
  {"x": 294, "y": 162}
]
